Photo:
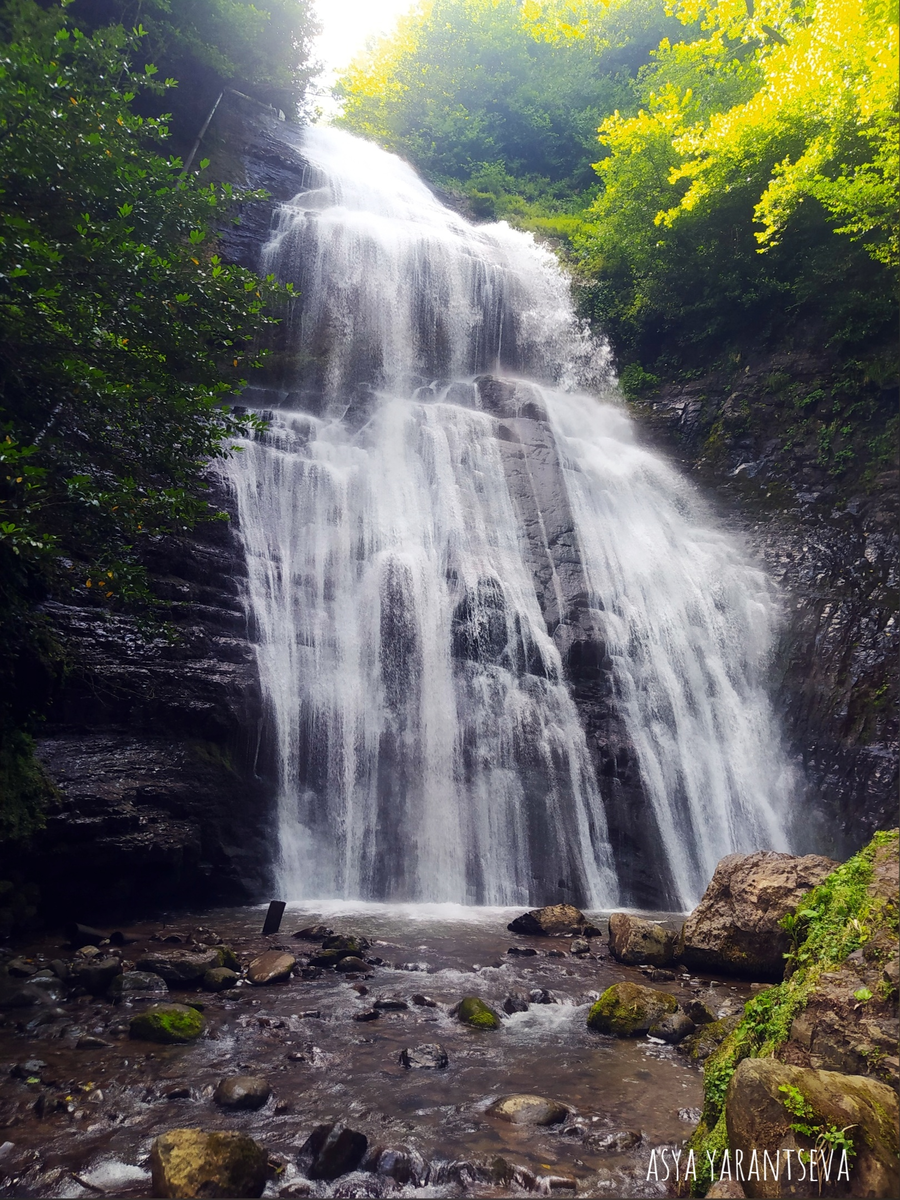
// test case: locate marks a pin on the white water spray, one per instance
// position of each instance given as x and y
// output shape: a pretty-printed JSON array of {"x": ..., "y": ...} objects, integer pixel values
[{"x": 412, "y": 541}]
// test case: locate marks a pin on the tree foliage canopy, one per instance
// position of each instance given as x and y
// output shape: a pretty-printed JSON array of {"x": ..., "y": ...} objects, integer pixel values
[{"x": 122, "y": 336}]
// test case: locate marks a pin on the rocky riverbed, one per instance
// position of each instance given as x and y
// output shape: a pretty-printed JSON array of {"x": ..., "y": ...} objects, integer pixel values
[{"x": 376, "y": 1046}]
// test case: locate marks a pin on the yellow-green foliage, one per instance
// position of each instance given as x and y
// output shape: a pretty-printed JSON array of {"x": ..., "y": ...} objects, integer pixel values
[{"x": 836, "y": 918}]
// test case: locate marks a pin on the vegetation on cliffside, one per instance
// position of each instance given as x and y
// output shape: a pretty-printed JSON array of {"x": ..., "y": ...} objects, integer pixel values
[
  {"x": 122, "y": 332},
  {"x": 742, "y": 196},
  {"x": 842, "y": 915}
]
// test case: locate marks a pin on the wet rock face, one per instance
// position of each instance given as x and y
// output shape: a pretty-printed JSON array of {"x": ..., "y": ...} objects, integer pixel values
[
  {"x": 190, "y": 1164},
  {"x": 833, "y": 547},
  {"x": 633, "y": 941},
  {"x": 765, "y": 1099},
  {"x": 152, "y": 741},
  {"x": 736, "y": 926}
]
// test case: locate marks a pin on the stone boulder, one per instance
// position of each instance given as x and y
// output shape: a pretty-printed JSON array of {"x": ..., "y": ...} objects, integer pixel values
[
  {"x": 634, "y": 941},
  {"x": 190, "y": 1164},
  {"x": 735, "y": 929},
  {"x": 96, "y": 975},
  {"x": 332, "y": 1150},
  {"x": 700, "y": 1045},
  {"x": 220, "y": 979},
  {"x": 167, "y": 1023},
  {"x": 138, "y": 983},
  {"x": 180, "y": 968},
  {"x": 243, "y": 1092},
  {"x": 473, "y": 1011},
  {"x": 629, "y": 1009},
  {"x": 552, "y": 921},
  {"x": 767, "y": 1100},
  {"x": 525, "y": 1109},
  {"x": 274, "y": 966},
  {"x": 673, "y": 1028}
]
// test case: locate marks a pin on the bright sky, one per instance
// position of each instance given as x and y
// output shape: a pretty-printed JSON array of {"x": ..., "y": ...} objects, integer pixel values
[{"x": 346, "y": 27}]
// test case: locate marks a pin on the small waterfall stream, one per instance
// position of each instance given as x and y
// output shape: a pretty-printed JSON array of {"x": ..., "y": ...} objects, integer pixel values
[{"x": 430, "y": 538}]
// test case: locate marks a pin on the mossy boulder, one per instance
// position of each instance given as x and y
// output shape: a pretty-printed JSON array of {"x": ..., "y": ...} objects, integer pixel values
[
  {"x": 167, "y": 1023},
  {"x": 708, "y": 1038},
  {"x": 190, "y": 1164},
  {"x": 473, "y": 1011},
  {"x": 629, "y": 1009},
  {"x": 771, "y": 1106},
  {"x": 220, "y": 979}
]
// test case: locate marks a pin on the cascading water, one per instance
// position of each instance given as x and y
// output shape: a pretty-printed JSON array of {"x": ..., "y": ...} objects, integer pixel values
[{"x": 424, "y": 552}]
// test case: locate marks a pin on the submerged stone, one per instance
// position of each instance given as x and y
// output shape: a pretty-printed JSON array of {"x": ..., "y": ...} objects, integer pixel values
[
  {"x": 242, "y": 1092},
  {"x": 332, "y": 1151},
  {"x": 526, "y": 1109},
  {"x": 428, "y": 1057}
]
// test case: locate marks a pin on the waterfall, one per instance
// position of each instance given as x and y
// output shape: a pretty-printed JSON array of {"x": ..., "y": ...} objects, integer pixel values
[{"x": 439, "y": 521}]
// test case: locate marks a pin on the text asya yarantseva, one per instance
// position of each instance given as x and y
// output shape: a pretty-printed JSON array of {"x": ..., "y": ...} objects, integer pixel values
[{"x": 814, "y": 1165}]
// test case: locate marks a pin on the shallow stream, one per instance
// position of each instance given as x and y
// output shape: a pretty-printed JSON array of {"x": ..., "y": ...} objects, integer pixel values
[{"x": 82, "y": 1124}]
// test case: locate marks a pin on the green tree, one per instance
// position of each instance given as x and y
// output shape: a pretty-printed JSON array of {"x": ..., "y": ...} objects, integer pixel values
[
  {"x": 122, "y": 334},
  {"x": 465, "y": 91}
]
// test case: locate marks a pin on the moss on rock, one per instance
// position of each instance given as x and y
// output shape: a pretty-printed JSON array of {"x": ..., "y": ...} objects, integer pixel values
[
  {"x": 629, "y": 1009},
  {"x": 473, "y": 1011},
  {"x": 167, "y": 1023}
]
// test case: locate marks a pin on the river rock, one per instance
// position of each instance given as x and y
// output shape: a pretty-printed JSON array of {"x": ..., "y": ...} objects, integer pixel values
[
  {"x": 634, "y": 941},
  {"x": 96, "y": 975},
  {"x": 313, "y": 933},
  {"x": 18, "y": 994},
  {"x": 350, "y": 965},
  {"x": 190, "y": 1164},
  {"x": 20, "y": 968},
  {"x": 167, "y": 1023},
  {"x": 330, "y": 958},
  {"x": 242, "y": 1092},
  {"x": 473, "y": 1011},
  {"x": 757, "y": 1118},
  {"x": 673, "y": 1028},
  {"x": 552, "y": 921},
  {"x": 138, "y": 983},
  {"x": 515, "y": 1004},
  {"x": 180, "y": 967},
  {"x": 736, "y": 926},
  {"x": 700, "y": 1045},
  {"x": 404, "y": 1165},
  {"x": 342, "y": 941},
  {"x": 726, "y": 1189},
  {"x": 428, "y": 1057},
  {"x": 220, "y": 979},
  {"x": 700, "y": 1012},
  {"x": 273, "y": 966},
  {"x": 333, "y": 1150},
  {"x": 526, "y": 1109},
  {"x": 629, "y": 1009}
]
